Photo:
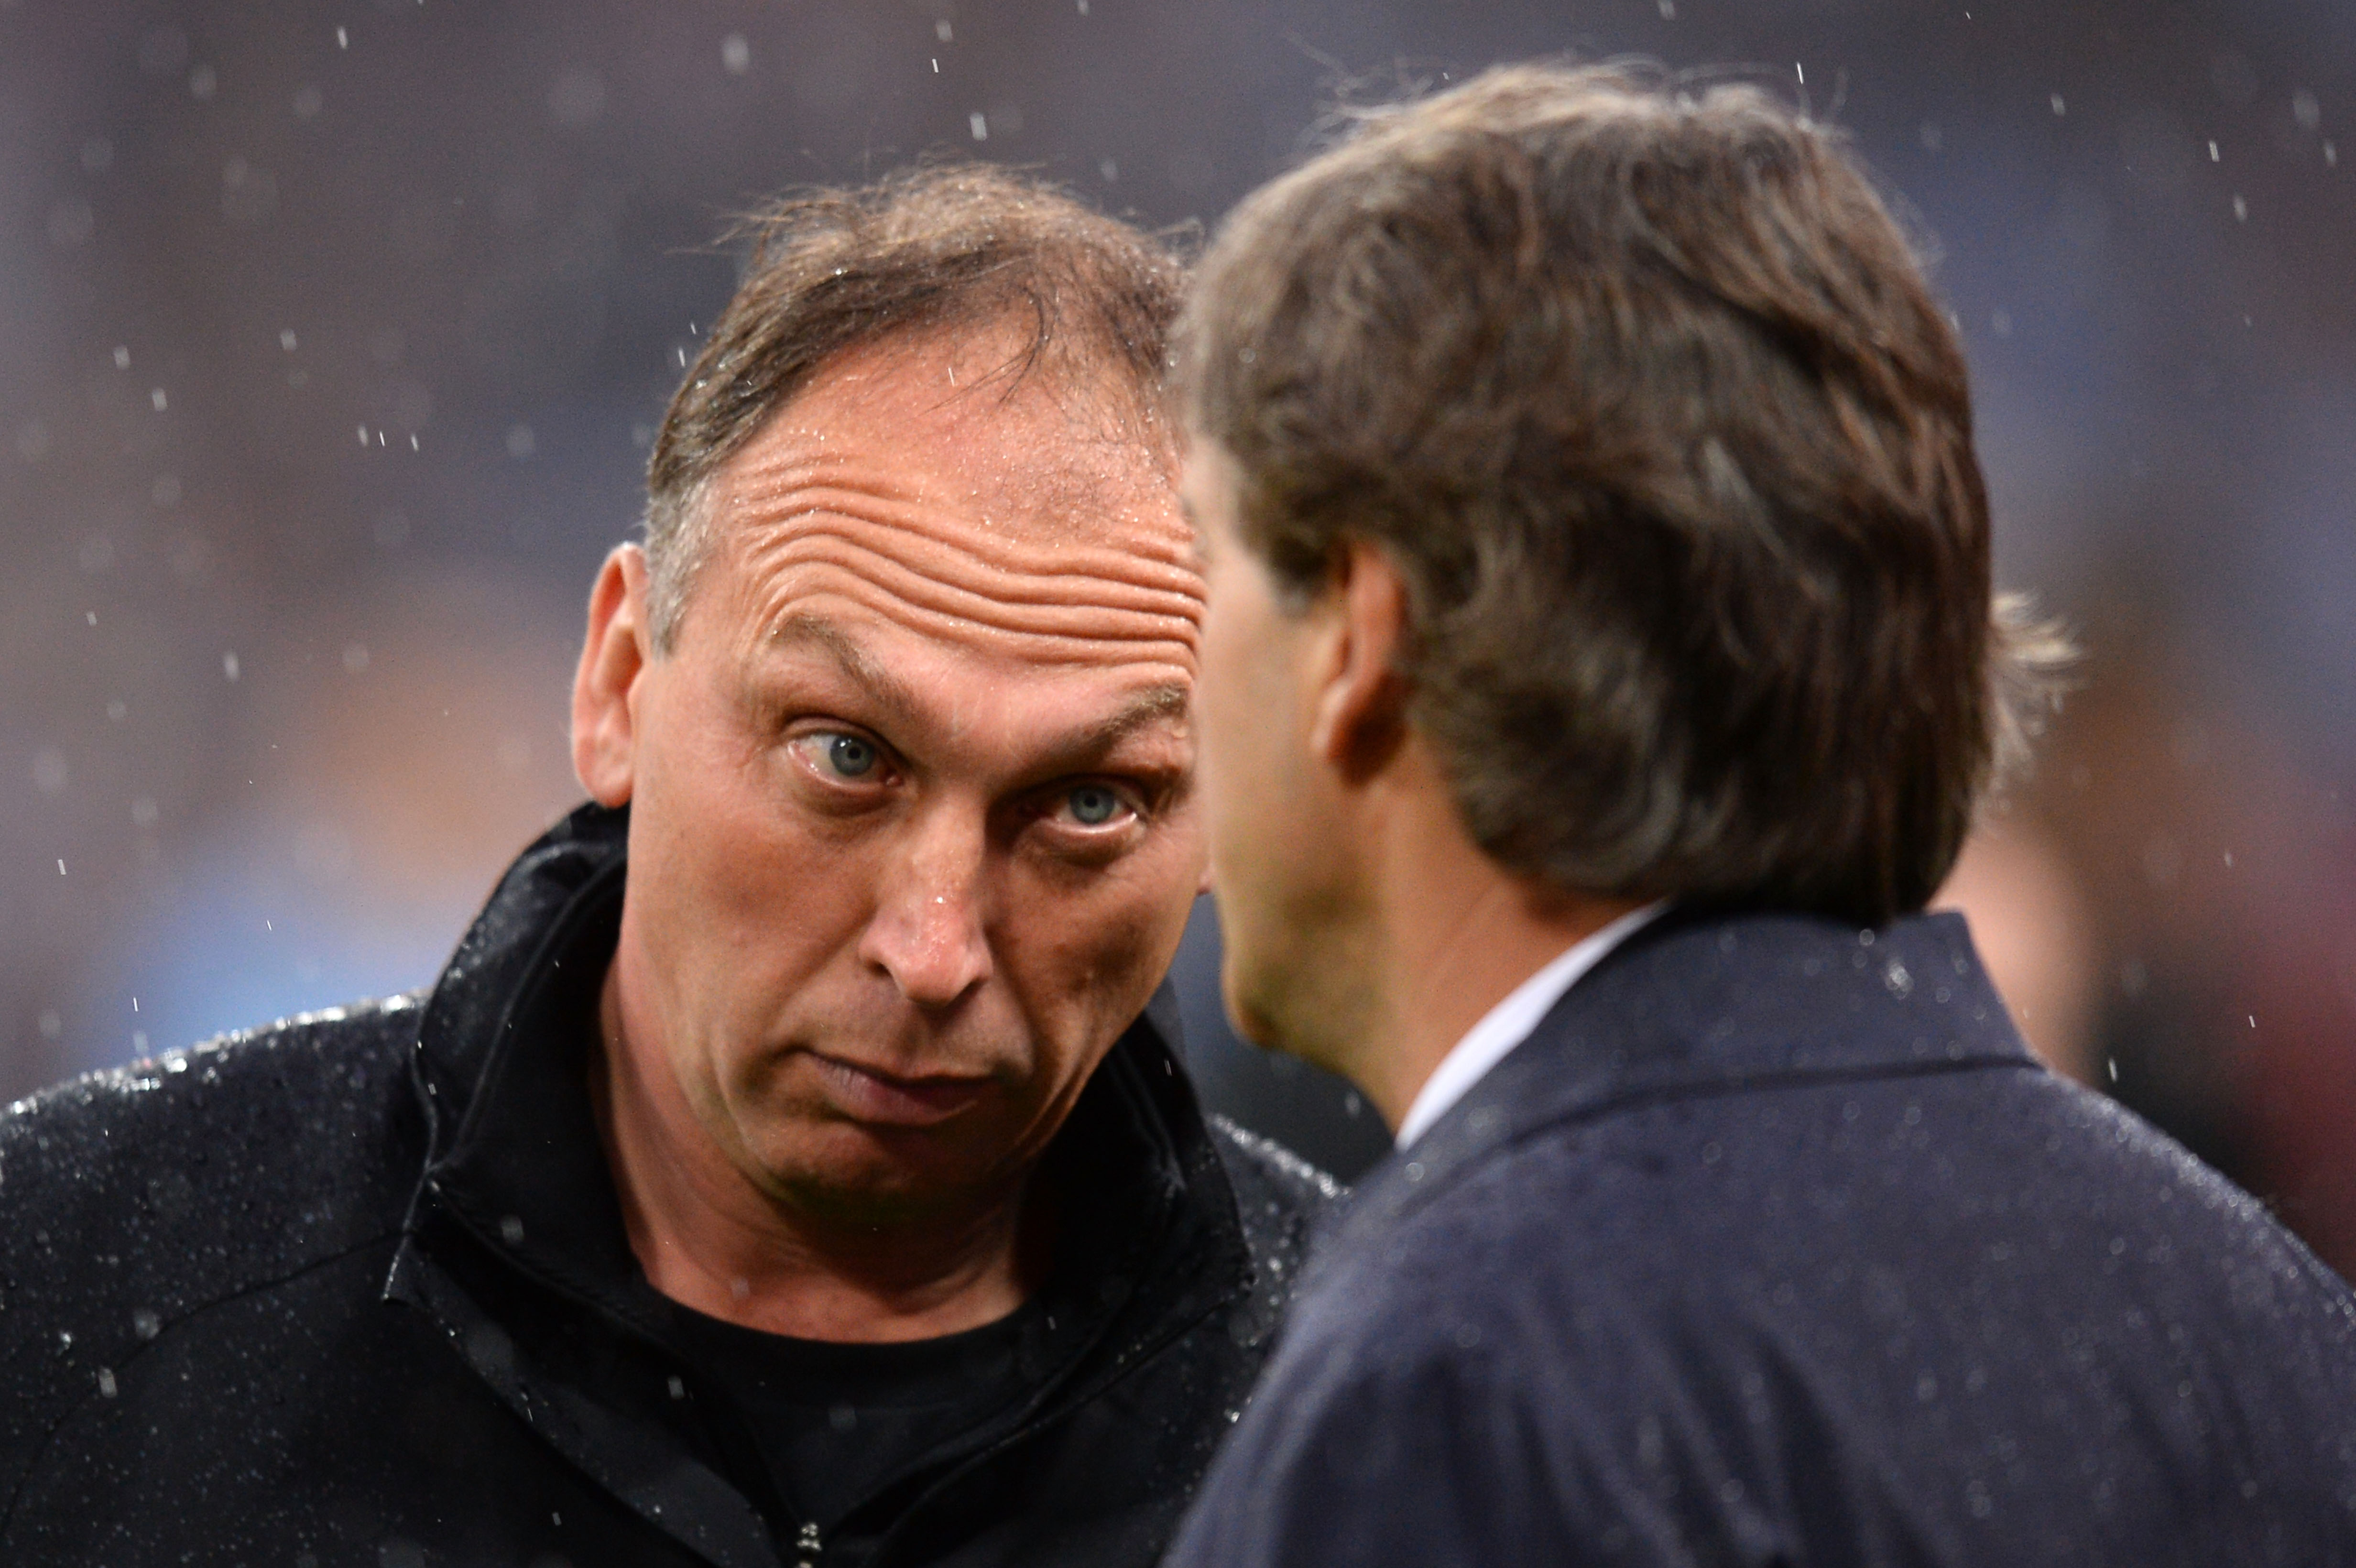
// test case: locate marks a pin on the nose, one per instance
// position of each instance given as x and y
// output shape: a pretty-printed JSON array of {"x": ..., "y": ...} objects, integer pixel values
[{"x": 928, "y": 931}]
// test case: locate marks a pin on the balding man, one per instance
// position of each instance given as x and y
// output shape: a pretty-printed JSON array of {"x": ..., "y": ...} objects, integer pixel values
[{"x": 792, "y": 1166}]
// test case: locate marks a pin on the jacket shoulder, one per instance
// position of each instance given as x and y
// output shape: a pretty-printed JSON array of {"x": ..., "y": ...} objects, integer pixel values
[
  {"x": 222, "y": 1163},
  {"x": 1271, "y": 1172},
  {"x": 135, "y": 1198},
  {"x": 1279, "y": 1197}
]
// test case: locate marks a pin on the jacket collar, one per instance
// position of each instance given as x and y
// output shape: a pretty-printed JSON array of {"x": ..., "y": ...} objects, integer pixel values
[
  {"x": 1704, "y": 1003},
  {"x": 514, "y": 1158}
]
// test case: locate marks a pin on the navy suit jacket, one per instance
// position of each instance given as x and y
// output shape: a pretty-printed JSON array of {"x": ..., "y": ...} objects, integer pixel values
[{"x": 1774, "y": 1245}]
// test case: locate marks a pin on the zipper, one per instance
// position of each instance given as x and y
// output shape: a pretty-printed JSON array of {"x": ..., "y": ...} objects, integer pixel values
[{"x": 807, "y": 1547}]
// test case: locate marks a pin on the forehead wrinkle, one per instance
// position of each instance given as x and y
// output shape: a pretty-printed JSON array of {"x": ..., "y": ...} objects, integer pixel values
[
  {"x": 960, "y": 595},
  {"x": 785, "y": 492},
  {"x": 1028, "y": 646}
]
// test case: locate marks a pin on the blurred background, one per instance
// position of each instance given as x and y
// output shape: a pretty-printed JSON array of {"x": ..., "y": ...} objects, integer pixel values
[{"x": 335, "y": 336}]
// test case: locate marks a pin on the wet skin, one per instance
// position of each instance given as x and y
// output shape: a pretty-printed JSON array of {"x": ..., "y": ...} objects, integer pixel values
[{"x": 912, "y": 836}]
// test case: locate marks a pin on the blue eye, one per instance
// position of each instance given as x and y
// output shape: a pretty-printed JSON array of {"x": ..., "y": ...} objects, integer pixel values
[
  {"x": 850, "y": 756},
  {"x": 1093, "y": 805}
]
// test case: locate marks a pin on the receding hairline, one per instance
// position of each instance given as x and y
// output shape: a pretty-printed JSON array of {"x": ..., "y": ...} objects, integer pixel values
[
  {"x": 1101, "y": 401},
  {"x": 956, "y": 247}
]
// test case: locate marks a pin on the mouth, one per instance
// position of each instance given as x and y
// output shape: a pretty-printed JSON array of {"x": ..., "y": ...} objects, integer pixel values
[{"x": 871, "y": 1095}]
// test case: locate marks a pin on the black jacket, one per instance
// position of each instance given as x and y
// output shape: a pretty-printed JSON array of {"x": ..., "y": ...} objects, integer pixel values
[
  {"x": 1773, "y": 1246},
  {"x": 354, "y": 1289}
]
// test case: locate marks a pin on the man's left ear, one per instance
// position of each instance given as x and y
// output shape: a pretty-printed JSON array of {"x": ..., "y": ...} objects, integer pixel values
[
  {"x": 614, "y": 654},
  {"x": 1361, "y": 713}
]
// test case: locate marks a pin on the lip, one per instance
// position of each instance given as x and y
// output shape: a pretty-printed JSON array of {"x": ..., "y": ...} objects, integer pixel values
[{"x": 869, "y": 1094}]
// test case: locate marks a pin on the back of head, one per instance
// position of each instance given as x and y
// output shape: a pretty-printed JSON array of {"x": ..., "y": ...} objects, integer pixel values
[
  {"x": 1643, "y": 390},
  {"x": 950, "y": 247}
]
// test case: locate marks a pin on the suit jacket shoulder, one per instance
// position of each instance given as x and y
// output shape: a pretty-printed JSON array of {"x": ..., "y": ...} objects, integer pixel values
[{"x": 1675, "y": 1286}]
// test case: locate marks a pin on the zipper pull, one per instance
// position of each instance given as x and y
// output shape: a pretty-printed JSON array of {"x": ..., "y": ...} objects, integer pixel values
[{"x": 806, "y": 1546}]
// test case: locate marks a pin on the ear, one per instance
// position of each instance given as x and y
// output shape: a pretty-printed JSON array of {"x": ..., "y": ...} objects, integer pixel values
[
  {"x": 1361, "y": 711},
  {"x": 605, "y": 688}
]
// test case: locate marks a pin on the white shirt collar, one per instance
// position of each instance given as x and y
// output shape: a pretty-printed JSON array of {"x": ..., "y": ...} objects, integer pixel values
[{"x": 1509, "y": 1023}]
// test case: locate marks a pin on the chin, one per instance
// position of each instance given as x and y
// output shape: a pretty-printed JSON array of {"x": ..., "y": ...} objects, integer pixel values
[
  {"x": 848, "y": 1174},
  {"x": 1246, "y": 1003}
]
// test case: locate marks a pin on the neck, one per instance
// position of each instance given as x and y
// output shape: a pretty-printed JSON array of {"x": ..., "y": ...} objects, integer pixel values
[
  {"x": 1448, "y": 933},
  {"x": 711, "y": 1237}
]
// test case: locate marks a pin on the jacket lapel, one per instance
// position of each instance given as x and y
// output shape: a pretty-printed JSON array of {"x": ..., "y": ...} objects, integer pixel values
[{"x": 1713, "y": 1004}]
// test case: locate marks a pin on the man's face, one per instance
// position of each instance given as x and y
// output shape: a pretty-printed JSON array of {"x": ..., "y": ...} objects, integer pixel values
[
  {"x": 913, "y": 835},
  {"x": 1274, "y": 819}
]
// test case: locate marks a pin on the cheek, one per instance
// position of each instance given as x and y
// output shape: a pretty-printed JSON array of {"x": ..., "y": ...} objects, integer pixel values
[
  {"x": 1087, "y": 959},
  {"x": 750, "y": 899},
  {"x": 1246, "y": 726},
  {"x": 1224, "y": 698}
]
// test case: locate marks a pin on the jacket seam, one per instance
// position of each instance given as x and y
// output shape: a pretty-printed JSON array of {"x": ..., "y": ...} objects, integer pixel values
[{"x": 73, "y": 1407}]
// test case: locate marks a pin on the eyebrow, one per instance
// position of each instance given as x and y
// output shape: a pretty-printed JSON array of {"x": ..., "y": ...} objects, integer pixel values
[
  {"x": 858, "y": 666},
  {"x": 1143, "y": 709}
]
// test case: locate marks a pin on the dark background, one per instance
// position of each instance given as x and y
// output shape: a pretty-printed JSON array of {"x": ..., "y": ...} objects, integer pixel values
[{"x": 335, "y": 336}]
